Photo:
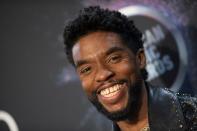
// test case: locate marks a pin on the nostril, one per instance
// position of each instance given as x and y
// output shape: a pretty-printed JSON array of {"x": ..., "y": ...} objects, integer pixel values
[{"x": 104, "y": 75}]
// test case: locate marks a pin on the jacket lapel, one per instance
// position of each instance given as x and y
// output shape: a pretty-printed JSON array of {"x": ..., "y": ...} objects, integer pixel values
[{"x": 165, "y": 113}]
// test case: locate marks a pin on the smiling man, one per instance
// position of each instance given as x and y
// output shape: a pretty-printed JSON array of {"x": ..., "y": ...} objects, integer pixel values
[{"x": 107, "y": 51}]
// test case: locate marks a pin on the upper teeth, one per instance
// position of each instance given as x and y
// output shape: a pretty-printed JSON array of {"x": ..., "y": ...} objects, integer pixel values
[{"x": 108, "y": 92}]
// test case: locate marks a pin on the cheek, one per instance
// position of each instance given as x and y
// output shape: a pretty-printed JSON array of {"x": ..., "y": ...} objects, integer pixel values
[
  {"x": 87, "y": 85},
  {"x": 126, "y": 69}
]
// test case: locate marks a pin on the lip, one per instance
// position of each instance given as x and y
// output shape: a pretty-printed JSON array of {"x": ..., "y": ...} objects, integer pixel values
[
  {"x": 106, "y": 85},
  {"x": 115, "y": 98}
]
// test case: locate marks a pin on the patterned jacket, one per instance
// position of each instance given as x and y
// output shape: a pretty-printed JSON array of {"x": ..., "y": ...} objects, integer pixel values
[{"x": 168, "y": 111}]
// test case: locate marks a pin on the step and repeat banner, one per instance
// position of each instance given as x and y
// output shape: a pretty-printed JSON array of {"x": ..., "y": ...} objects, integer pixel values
[{"x": 39, "y": 89}]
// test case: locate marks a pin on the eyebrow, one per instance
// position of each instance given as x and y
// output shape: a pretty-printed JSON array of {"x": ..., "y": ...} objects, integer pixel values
[
  {"x": 114, "y": 49},
  {"x": 80, "y": 62}
]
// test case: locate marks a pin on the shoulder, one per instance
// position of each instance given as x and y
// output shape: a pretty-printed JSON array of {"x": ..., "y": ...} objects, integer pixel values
[
  {"x": 186, "y": 104},
  {"x": 189, "y": 108}
]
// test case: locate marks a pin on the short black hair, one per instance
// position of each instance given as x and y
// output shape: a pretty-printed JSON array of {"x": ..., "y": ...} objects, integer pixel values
[{"x": 94, "y": 18}]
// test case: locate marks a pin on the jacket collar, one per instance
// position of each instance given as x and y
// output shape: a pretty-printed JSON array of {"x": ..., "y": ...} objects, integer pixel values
[{"x": 165, "y": 113}]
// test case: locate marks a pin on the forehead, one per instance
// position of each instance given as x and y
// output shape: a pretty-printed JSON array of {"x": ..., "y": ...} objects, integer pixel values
[{"x": 96, "y": 43}]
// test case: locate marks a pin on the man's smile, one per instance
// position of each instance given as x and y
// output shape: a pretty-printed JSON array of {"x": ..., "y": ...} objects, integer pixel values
[
  {"x": 111, "y": 91},
  {"x": 112, "y": 94}
]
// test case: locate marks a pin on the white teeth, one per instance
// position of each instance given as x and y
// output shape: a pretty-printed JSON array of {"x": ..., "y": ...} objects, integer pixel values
[
  {"x": 108, "y": 92},
  {"x": 111, "y": 89}
]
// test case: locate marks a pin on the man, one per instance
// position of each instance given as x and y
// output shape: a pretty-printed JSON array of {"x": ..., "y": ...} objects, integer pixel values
[{"x": 107, "y": 51}]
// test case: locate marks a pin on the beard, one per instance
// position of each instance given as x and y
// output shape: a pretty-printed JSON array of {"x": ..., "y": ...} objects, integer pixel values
[{"x": 131, "y": 111}]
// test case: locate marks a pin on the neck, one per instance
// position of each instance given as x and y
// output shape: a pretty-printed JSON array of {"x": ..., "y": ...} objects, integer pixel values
[{"x": 142, "y": 118}]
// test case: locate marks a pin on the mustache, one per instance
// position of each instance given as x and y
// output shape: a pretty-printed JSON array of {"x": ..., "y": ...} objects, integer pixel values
[{"x": 117, "y": 81}]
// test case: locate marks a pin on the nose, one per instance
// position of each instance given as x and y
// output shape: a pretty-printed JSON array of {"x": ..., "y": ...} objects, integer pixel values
[{"x": 104, "y": 73}]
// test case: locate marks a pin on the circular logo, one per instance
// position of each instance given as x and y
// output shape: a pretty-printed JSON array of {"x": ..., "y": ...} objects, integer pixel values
[{"x": 164, "y": 46}]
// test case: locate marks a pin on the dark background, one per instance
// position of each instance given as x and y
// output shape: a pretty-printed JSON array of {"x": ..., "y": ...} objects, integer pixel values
[{"x": 37, "y": 85}]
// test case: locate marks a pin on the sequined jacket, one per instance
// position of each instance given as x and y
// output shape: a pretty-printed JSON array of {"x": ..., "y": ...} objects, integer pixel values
[{"x": 168, "y": 111}]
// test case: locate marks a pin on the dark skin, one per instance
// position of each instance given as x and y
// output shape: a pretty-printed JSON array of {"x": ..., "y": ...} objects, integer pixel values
[{"x": 100, "y": 57}]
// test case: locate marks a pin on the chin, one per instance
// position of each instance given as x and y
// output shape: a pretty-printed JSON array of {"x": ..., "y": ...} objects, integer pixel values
[{"x": 117, "y": 107}]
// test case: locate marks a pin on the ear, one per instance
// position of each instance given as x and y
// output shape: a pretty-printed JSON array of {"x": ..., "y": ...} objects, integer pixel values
[{"x": 141, "y": 59}]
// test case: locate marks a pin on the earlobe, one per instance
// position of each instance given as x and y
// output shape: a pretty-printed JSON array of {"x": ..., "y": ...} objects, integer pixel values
[{"x": 141, "y": 59}]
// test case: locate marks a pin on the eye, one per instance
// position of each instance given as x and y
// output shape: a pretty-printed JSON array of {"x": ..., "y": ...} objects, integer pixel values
[
  {"x": 114, "y": 59},
  {"x": 85, "y": 70}
]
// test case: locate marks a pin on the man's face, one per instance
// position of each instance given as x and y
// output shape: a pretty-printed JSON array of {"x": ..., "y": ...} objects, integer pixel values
[{"x": 109, "y": 72}]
